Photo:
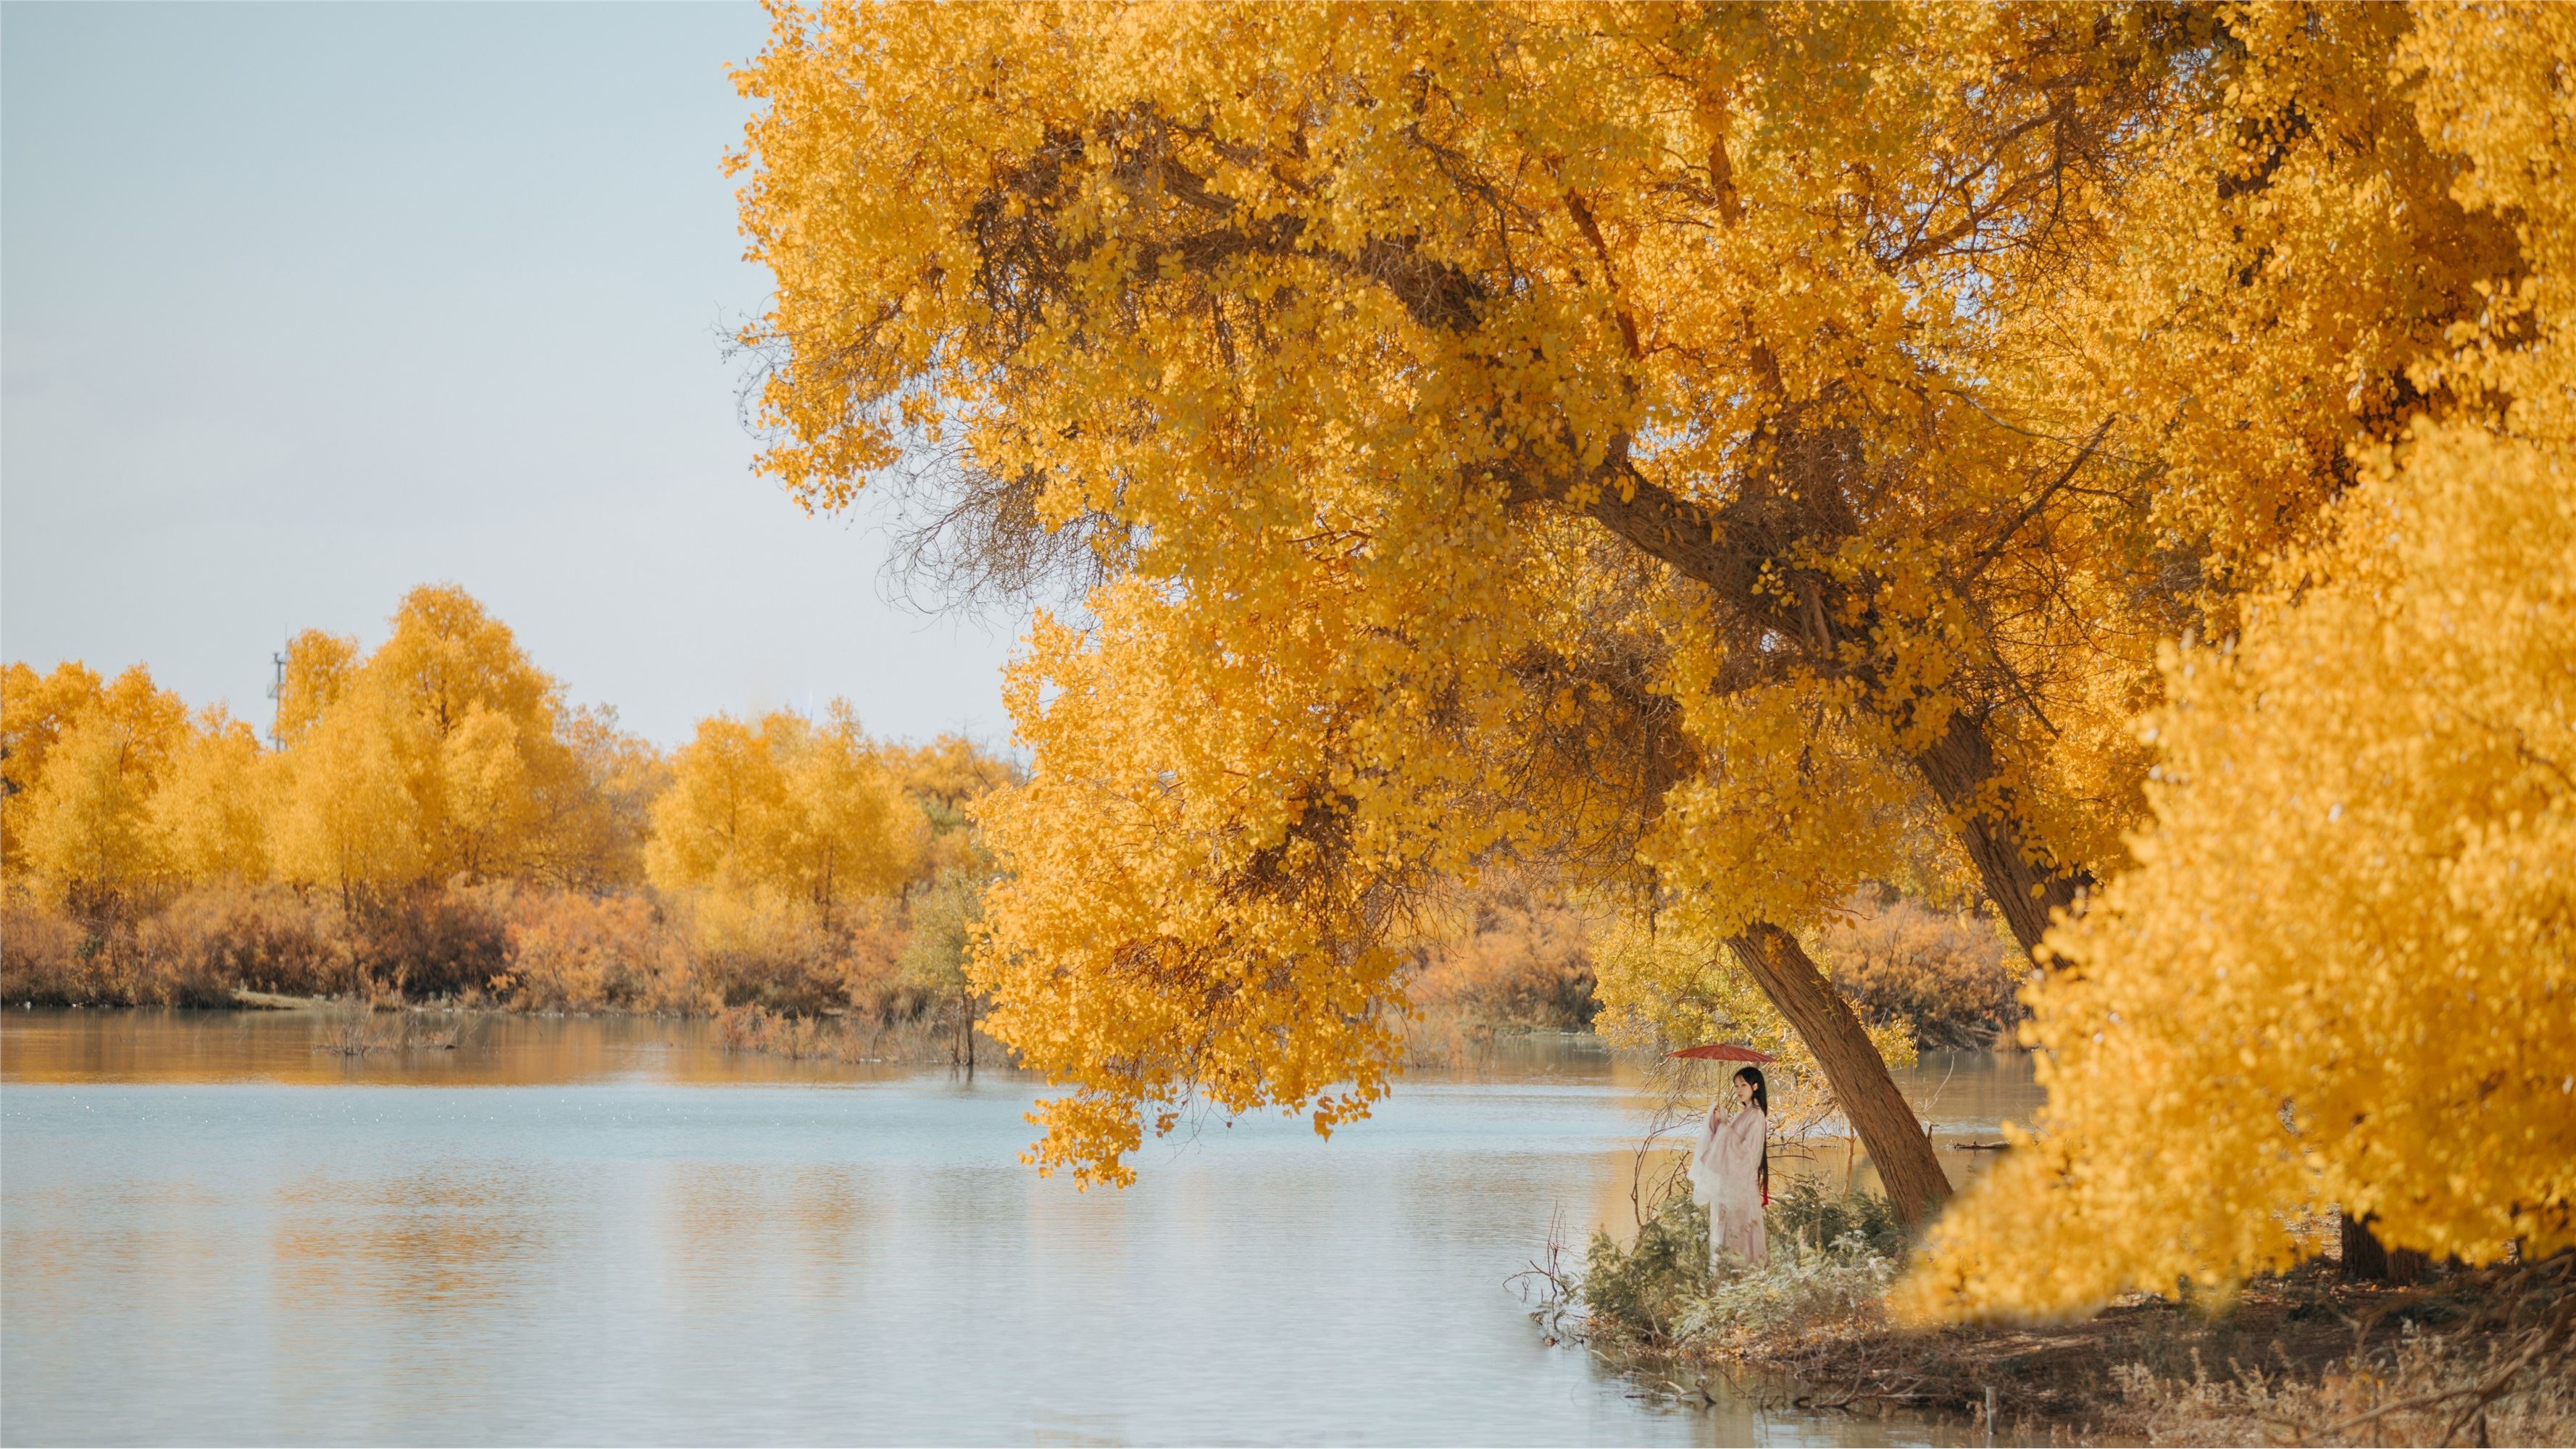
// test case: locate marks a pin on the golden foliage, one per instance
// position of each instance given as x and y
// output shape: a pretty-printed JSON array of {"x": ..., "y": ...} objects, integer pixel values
[
  {"x": 317, "y": 672},
  {"x": 949, "y": 773},
  {"x": 205, "y": 814},
  {"x": 447, "y": 754},
  {"x": 2345, "y": 968},
  {"x": 444, "y": 755},
  {"x": 790, "y": 811},
  {"x": 346, "y": 818},
  {"x": 1701, "y": 444},
  {"x": 444, "y": 825},
  {"x": 1716, "y": 449},
  {"x": 34, "y": 708},
  {"x": 95, "y": 756}
]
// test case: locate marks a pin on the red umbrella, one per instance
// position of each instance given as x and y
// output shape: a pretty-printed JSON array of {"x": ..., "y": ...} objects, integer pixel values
[{"x": 1721, "y": 1052}]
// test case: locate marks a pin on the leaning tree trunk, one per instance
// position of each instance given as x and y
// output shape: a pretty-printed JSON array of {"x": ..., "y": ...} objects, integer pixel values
[{"x": 1878, "y": 1112}]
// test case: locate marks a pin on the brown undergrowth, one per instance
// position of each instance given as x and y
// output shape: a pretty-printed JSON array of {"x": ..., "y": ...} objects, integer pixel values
[
  {"x": 2306, "y": 1357},
  {"x": 499, "y": 945},
  {"x": 1948, "y": 974},
  {"x": 1513, "y": 953}
]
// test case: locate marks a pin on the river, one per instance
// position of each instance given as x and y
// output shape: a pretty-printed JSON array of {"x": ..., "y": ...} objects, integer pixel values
[{"x": 610, "y": 1230}]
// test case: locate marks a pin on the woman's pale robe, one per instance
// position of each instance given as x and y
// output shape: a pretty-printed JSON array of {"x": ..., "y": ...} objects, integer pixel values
[{"x": 1726, "y": 1179}]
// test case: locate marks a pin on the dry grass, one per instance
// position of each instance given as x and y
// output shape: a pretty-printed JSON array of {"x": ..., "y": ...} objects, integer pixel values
[{"x": 2302, "y": 1359}]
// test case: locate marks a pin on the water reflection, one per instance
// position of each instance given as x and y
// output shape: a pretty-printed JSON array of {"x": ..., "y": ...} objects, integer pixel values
[{"x": 210, "y": 1231}]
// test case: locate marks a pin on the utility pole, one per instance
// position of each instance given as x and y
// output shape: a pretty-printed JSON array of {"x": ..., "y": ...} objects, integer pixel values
[{"x": 277, "y": 697}]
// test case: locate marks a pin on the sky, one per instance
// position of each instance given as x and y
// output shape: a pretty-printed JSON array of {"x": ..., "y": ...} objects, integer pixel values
[{"x": 303, "y": 305}]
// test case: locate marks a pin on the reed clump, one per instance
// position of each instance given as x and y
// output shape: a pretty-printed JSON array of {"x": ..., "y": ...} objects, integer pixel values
[{"x": 925, "y": 1037}]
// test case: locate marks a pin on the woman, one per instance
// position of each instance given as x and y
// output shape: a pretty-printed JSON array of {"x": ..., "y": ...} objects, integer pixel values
[{"x": 1730, "y": 1174}]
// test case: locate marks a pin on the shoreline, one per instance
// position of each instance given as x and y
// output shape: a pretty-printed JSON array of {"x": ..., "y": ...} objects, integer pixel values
[{"x": 2306, "y": 1356}]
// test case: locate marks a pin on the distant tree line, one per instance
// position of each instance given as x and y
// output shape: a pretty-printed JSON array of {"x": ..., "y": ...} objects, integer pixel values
[{"x": 444, "y": 779}]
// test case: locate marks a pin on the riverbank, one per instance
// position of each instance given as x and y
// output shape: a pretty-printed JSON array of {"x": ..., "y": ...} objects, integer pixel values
[
  {"x": 497, "y": 945},
  {"x": 2308, "y": 1356}
]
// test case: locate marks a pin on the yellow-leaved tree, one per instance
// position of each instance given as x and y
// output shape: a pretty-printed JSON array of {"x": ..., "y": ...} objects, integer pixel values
[
  {"x": 208, "y": 814},
  {"x": 34, "y": 708},
  {"x": 1706, "y": 448},
  {"x": 82, "y": 831},
  {"x": 347, "y": 818},
  {"x": 316, "y": 672},
  {"x": 2344, "y": 969},
  {"x": 790, "y": 811},
  {"x": 445, "y": 754}
]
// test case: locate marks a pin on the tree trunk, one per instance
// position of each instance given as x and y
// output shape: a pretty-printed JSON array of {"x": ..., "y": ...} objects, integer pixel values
[
  {"x": 1960, "y": 767},
  {"x": 2365, "y": 1258},
  {"x": 1721, "y": 552},
  {"x": 1853, "y": 1068}
]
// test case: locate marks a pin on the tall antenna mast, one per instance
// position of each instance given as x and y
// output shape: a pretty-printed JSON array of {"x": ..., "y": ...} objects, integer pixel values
[{"x": 277, "y": 694}]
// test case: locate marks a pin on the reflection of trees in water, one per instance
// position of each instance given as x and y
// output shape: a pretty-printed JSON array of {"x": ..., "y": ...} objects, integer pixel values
[
  {"x": 439, "y": 1238},
  {"x": 717, "y": 1225}
]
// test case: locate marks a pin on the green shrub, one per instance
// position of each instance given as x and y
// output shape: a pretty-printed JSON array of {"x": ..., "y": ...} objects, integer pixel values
[
  {"x": 1830, "y": 1257},
  {"x": 1805, "y": 1213},
  {"x": 1640, "y": 1291}
]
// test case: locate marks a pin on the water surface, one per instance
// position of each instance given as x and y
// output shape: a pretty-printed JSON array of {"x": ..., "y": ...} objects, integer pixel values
[{"x": 610, "y": 1231}]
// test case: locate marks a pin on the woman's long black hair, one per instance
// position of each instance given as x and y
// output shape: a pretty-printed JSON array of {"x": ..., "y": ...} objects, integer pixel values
[{"x": 1761, "y": 1104}]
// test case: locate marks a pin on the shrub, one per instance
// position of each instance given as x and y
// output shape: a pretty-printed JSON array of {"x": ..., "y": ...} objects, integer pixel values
[
  {"x": 45, "y": 956},
  {"x": 214, "y": 939},
  {"x": 530, "y": 948},
  {"x": 1948, "y": 973},
  {"x": 1806, "y": 1215},
  {"x": 1830, "y": 1260},
  {"x": 195, "y": 951},
  {"x": 449, "y": 942},
  {"x": 1642, "y": 1290},
  {"x": 759, "y": 950},
  {"x": 573, "y": 951},
  {"x": 1514, "y": 953},
  {"x": 1798, "y": 1290}
]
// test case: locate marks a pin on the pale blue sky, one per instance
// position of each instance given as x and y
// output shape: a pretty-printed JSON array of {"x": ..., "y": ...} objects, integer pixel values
[{"x": 303, "y": 304}]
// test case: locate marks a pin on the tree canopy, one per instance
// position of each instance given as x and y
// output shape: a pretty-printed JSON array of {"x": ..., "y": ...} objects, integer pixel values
[{"x": 1713, "y": 448}]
